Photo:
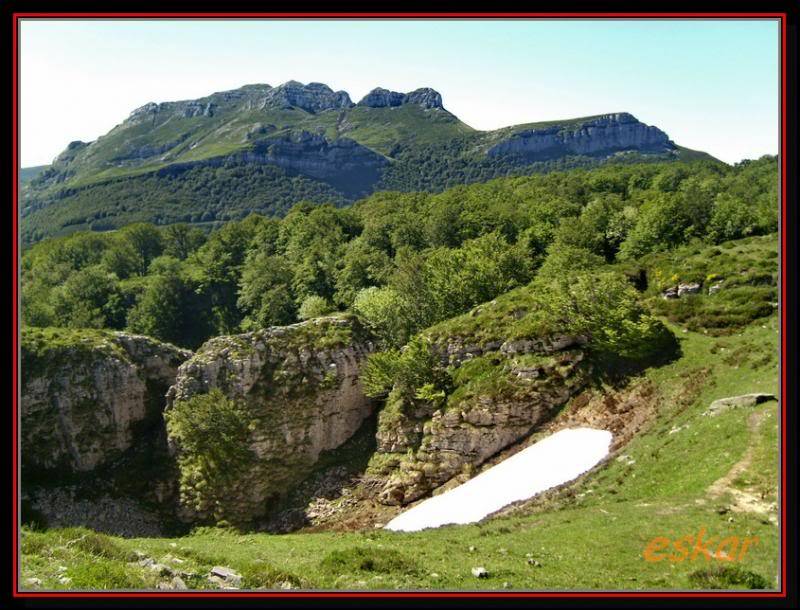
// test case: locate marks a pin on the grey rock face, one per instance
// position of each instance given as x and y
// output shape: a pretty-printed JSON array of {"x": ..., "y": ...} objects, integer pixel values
[
  {"x": 425, "y": 97},
  {"x": 342, "y": 162},
  {"x": 383, "y": 98},
  {"x": 119, "y": 516},
  {"x": 197, "y": 108},
  {"x": 603, "y": 135},
  {"x": 434, "y": 445},
  {"x": 317, "y": 156},
  {"x": 81, "y": 403},
  {"x": 302, "y": 384},
  {"x": 676, "y": 292},
  {"x": 313, "y": 97},
  {"x": 457, "y": 350}
]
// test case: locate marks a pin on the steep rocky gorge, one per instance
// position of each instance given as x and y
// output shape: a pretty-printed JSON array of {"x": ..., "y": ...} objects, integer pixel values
[{"x": 300, "y": 387}]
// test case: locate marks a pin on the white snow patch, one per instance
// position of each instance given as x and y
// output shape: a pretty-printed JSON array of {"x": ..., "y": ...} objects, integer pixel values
[{"x": 557, "y": 459}]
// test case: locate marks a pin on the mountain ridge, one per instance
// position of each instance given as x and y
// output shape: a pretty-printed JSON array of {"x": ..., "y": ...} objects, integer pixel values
[{"x": 313, "y": 136}]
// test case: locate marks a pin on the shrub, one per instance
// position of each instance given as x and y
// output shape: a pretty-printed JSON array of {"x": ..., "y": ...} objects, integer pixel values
[
  {"x": 386, "y": 313},
  {"x": 361, "y": 559},
  {"x": 605, "y": 308},
  {"x": 563, "y": 258},
  {"x": 313, "y": 307},
  {"x": 728, "y": 577},
  {"x": 414, "y": 370},
  {"x": 213, "y": 433}
]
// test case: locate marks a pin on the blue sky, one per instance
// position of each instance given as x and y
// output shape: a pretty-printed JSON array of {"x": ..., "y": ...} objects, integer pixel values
[{"x": 711, "y": 85}]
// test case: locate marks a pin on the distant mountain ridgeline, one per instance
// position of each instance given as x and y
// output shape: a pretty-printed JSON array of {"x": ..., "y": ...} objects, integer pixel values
[{"x": 262, "y": 148}]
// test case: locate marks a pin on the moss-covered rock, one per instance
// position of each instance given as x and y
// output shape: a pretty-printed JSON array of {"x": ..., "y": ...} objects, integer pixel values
[
  {"x": 299, "y": 387},
  {"x": 496, "y": 401},
  {"x": 85, "y": 393}
]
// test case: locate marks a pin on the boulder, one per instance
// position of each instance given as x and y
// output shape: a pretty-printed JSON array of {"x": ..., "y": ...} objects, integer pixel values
[
  {"x": 225, "y": 577},
  {"x": 689, "y": 288},
  {"x": 733, "y": 402}
]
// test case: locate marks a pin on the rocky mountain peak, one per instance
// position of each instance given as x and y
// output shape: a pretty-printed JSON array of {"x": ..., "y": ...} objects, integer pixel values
[
  {"x": 425, "y": 97},
  {"x": 384, "y": 98},
  {"x": 313, "y": 97}
]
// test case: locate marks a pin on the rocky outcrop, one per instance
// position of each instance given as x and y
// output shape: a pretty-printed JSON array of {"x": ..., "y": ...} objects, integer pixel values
[
  {"x": 457, "y": 350},
  {"x": 86, "y": 394},
  {"x": 425, "y": 97},
  {"x": 383, "y": 98},
  {"x": 300, "y": 383},
  {"x": 521, "y": 385},
  {"x": 339, "y": 160},
  {"x": 68, "y": 154},
  {"x": 602, "y": 135},
  {"x": 680, "y": 290},
  {"x": 313, "y": 97}
]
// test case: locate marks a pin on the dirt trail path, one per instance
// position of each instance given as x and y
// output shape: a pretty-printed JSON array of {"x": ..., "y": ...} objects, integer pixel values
[{"x": 744, "y": 500}]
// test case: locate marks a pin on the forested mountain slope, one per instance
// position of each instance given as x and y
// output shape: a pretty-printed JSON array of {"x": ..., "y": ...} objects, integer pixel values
[{"x": 262, "y": 148}]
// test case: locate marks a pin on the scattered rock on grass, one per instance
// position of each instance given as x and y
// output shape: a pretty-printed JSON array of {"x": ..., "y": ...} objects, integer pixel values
[
  {"x": 732, "y": 402},
  {"x": 689, "y": 288},
  {"x": 225, "y": 577}
]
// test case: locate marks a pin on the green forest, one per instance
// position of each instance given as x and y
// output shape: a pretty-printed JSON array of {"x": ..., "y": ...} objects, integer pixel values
[{"x": 402, "y": 261}]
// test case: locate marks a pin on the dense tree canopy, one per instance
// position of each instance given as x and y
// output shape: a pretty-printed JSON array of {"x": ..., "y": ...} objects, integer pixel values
[{"x": 403, "y": 261}]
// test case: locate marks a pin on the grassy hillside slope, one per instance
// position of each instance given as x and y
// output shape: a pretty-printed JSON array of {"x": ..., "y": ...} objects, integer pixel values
[{"x": 686, "y": 473}]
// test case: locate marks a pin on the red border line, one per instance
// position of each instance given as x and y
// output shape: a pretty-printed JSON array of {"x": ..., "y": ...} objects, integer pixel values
[{"x": 416, "y": 16}]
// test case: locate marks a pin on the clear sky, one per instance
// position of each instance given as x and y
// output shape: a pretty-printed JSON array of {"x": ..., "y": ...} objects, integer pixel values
[{"x": 711, "y": 85}]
